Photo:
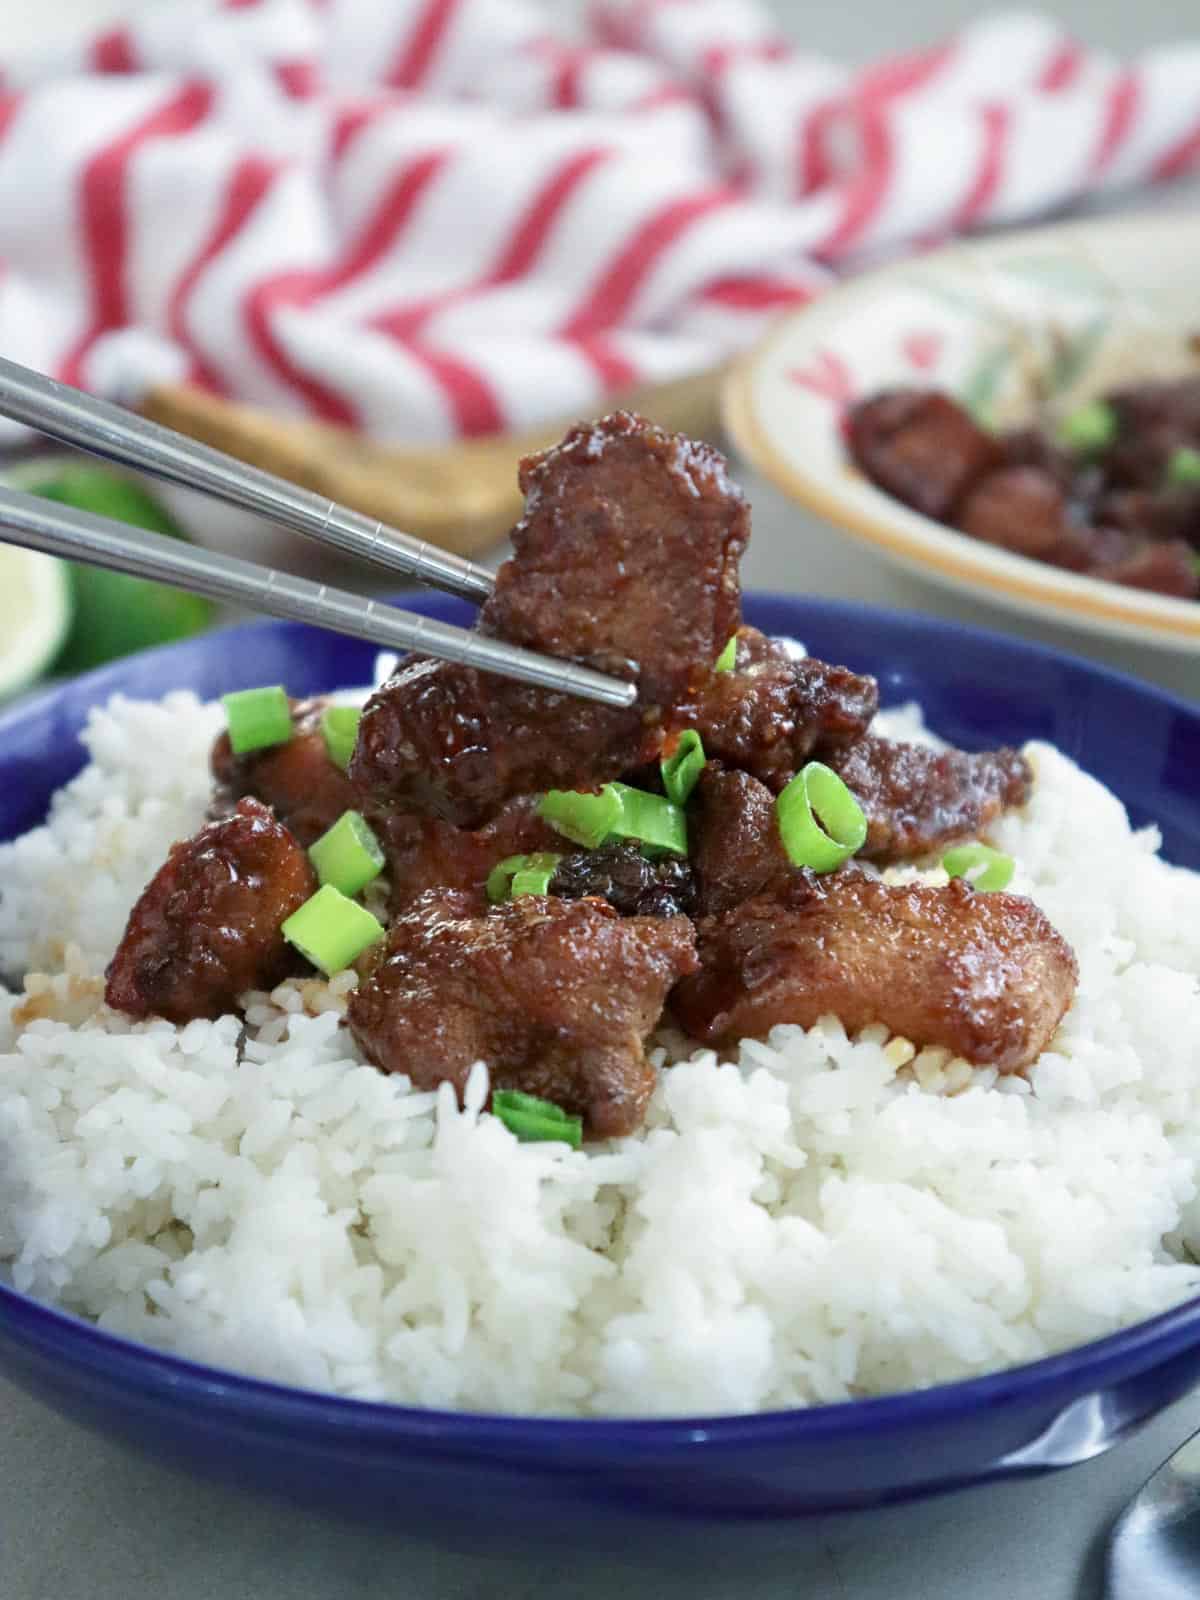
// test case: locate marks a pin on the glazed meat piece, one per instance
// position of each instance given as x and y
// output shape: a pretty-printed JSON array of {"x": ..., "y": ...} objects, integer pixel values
[
  {"x": 774, "y": 710},
  {"x": 447, "y": 741},
  {"x": 1153, "y": 421},
  {"x": 206, "y": 927},
  {"x": 736, "y": 851},
  {"x": 426, "y": 853},
  {"x": 1165, "y": 566},
  {"x": 1024, "y": 509},
  {"x": 921, "y": 446},
  {"x": 1141, "y": 407},
  {"x": 628, "y": 551},
  {"x": 305, "y": 789},
  {"x": 1107, "y": 507},
  {"x": 632, "y": 884},
  {"x": 918, "y": 799},
  {"x": 626, "y": 558},
  {"x": 984, "y": 975},
  {"x": 557, "y": 996},
  {"x": 1172, "y": 513},
  {"x": 1140, "y": 461},
  {"x": 1030, "y": 447}
]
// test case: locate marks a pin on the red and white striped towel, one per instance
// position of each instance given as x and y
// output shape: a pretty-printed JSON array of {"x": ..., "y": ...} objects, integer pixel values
[{"x": 432, "y": 218}]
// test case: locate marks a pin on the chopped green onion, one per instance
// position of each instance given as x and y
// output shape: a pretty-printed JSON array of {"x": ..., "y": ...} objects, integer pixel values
[
  {"x": 726, "y": 661},
  {"x": 257, "y": 718},
  {"x": 616, "y": 812},
  {"x": 820, "y": 822},
  {"x": 652, "y": 821},
  {"x": 982, "y": 867},
  {"x": 587, "y": 819},
  {"x": 339, "y": 724},
  {"x": 348, "y": 855},
  {"x": 534, "y": 880},
  {"x": 1089, "y": 429},
  {"x": 682, "y": 768},
  {"x": 532, "y": 1119},
  {"x": 518, "y": 875},
  {"x": 1183, "y": 469},
  {"x": 331, "y": 931}
]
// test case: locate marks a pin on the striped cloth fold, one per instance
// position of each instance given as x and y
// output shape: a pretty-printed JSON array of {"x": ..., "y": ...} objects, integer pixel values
[{"x": 428, "y": 219}]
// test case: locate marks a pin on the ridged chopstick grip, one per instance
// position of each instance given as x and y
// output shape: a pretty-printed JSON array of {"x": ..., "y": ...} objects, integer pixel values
[
  {"x": 61, "y": 530},
  {"x": 118, "y": 435}
]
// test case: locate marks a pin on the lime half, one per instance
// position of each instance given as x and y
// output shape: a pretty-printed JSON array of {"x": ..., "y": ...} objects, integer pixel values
[
  {"x": 113, "y": 614},
  {"x": 35, "y": 615}
]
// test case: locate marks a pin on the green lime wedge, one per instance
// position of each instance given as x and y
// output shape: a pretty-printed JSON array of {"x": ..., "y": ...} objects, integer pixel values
[
  {"x": 35, "y": 614},
  {"x": 114, "y": 615}
]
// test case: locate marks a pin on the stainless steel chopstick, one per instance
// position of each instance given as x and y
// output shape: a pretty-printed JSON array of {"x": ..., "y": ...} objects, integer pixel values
[
  {"x": 61, "y": 530},
  {"x": 119, "y": 435}
]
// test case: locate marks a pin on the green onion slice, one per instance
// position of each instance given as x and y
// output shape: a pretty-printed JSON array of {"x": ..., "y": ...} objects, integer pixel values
[
  {"x": 653, "y": 822},
  {"x": 257, "y": 718},
  {"x": 682, "y": 768},
  {"x": 726, "y": 661},
  {"x": 348, "y": 855},
  {"x": 820, "y": 822},
  {"x": 616, "y": 812},
  {"x": 331, "y": 931},
  {"x": 532, "y": 1119},
  {"x": 339, "y": 725},
  {"x": 518, "y": 875},
  {"x": 983, "y": 867},
  {"x": 1089, "y": 429},
  {"x": 1183, "y": 469},
  {"x": 587, "y": 819}
]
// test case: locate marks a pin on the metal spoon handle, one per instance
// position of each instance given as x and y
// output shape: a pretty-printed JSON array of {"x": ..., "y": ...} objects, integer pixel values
[{"x": 1154, "y": 1549}]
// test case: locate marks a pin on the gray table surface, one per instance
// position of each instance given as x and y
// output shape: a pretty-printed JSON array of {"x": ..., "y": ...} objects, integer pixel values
[{"x": 81, "y": 1520}]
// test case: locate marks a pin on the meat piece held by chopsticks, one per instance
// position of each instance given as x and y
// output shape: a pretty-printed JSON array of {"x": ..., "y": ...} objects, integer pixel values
[
  {"x": 626, "y": 559},
  {"x": 628, "y": 551}
]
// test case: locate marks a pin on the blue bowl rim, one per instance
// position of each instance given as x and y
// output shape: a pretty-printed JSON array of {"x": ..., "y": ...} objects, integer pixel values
[
  {"x": 1088, "y": 1366},
  {"x": 857, "y": 611}
]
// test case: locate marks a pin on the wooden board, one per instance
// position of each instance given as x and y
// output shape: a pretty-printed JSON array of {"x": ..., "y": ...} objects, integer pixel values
[{"x": 463, "y": 496}]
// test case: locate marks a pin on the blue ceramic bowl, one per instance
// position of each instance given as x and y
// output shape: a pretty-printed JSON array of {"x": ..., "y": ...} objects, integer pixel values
[{"x": 510, "y": 1478}]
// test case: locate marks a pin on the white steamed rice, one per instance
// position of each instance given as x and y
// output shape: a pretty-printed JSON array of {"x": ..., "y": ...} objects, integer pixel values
[{"x": 822, "y": 1218}]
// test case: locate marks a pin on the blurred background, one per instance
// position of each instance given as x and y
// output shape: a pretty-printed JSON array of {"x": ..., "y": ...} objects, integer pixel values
[{"x": 385, "y": 246}]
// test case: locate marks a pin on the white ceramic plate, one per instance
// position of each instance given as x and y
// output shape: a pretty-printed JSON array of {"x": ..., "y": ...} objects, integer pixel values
[{"x": 1021, "y": 326}]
